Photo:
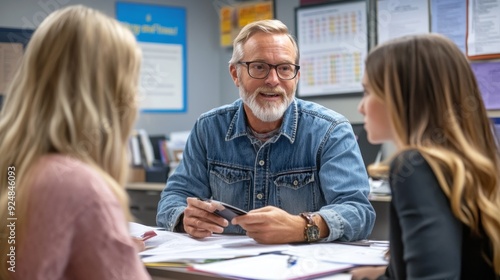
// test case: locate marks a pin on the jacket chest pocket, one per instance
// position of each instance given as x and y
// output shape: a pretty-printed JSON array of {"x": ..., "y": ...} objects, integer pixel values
[
  {"x": 228, "y": 183},
  {"x": 295, "y": 181},
  {"x": 297, "y": 192}
]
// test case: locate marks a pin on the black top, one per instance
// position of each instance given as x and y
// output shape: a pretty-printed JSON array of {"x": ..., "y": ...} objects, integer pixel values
[{"x": 427, "y": 240}]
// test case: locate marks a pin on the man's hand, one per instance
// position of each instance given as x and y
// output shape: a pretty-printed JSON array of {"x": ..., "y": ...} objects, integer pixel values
[
  {"x": 271, "y": 225},
  {"x": 199, "y": 220}
]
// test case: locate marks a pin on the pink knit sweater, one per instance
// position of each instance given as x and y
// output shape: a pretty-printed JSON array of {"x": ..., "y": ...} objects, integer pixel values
[{"x": 76, "y": 228}]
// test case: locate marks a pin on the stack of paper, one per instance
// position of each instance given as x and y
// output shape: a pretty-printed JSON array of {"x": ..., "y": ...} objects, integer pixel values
[
  {"x": 239, "y": 256},
  {"x": 180, "y": 247},
  {"x": 272, "y": 266}
]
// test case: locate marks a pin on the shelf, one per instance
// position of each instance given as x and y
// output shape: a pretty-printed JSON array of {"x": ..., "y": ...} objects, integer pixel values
[
  {"x": 378, "y": 197},
  {"x": 144, "y": 186},
  {"x": 493, "y": 113}
]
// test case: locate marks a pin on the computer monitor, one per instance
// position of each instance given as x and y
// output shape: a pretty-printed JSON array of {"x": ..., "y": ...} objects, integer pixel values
[{"x": 370, "y": 152}]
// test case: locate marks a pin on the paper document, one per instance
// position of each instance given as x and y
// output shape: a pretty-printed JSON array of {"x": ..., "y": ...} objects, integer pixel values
[
  {"x": 341, "y": 253},
  {"x": 483, "y": 28},
  {"x": 400, "y": 18},
  {"x": 136, "y": 229},
  {"x": 180, "y": 247},
  {"x": 272, "y": 266}
]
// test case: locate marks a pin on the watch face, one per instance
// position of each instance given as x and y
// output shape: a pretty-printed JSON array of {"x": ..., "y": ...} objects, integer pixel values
[{"x": 312, "y": 233}]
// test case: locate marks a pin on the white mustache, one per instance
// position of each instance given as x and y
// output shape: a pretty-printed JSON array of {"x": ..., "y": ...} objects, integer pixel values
[{"x": 270, "y": 91}]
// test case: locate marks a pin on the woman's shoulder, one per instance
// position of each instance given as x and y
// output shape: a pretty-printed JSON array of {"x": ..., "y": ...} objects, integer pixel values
[
  {"x": 66, "y": 178},
  {"x": 408, "y": 158},
  {"x": 410, "y": 166}
]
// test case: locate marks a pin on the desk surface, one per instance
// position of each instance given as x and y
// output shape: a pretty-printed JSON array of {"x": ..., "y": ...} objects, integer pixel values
[
  {"x": 180, "y": 273},
  {"x": 174, "y": 243}
]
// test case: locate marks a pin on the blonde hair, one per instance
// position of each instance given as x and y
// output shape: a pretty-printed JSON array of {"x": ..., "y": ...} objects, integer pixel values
[
  {"x": 73, "y": 94},
  {"x": 270, "y": 26},
  {"x": 435, "y": 107}
]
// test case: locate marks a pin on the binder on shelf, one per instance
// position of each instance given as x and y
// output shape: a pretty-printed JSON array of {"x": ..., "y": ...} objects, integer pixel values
[
  {"x": 146, "y": 158},
  {"x": 164, "y": 152},
  {"x": 135, "y": 151},
  {"x": 160, "y": 149},
  {"x": 146, "y": 147}
]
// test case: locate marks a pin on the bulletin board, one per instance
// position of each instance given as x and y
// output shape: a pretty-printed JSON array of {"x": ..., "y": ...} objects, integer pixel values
[
  {"x": 333, "y": 41},
  {"x": 473, "y": 25}
]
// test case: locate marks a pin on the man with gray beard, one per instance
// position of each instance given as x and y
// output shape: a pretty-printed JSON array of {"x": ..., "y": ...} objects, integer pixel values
[{"x": 294, "y": 165}]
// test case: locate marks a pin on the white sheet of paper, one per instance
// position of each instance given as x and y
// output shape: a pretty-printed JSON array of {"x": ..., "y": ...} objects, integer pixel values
[
  {"x": 396, "y": 18},
  {"x": 173, "y": 246},
  {"x": 272, "y": 266},
  {"x": 342, "y": 253}
]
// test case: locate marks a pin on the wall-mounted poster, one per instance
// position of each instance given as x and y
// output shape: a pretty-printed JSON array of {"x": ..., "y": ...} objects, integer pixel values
[
  {"x": 161, "y": 33},
  {"x": 483, "y": 29},
  {"x": 233, "y": 17},
  {"x": 488, "y": 79},
  {"x": 401, "y": 17},
  {"x": 333, "y": 42}
]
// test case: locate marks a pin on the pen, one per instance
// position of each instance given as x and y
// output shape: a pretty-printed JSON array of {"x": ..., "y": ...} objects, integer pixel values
[{"x": 292, "y": 260}]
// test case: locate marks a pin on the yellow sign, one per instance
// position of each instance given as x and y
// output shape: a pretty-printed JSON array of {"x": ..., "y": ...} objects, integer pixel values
[{"x": 233, "y": 18}]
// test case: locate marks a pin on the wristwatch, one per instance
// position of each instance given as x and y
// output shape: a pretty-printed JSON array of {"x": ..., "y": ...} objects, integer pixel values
[{"x": 311, "y": 231}]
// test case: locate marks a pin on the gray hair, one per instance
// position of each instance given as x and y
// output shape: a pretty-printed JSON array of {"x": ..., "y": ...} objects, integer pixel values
[{"x": 270, "y": 26}]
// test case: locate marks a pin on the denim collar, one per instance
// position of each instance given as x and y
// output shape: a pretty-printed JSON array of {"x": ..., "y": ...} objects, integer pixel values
[{"x": 237, "y": 127}]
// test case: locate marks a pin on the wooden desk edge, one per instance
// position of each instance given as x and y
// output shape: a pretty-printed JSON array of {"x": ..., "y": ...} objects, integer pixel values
[
  {"x": 145, "y": 186},
  {"x": 180, "y": 273}
]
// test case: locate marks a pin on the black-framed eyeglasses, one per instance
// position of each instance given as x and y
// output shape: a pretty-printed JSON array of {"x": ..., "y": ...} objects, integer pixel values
[{"x": 260, "y": 70}]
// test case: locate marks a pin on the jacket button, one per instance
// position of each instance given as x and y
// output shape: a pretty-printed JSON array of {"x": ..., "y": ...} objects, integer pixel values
[
  {"x": 261, "y": 162},
  {"x": 260, "y": 196}
]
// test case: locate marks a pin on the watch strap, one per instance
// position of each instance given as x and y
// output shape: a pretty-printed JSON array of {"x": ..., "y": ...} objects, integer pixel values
[
  {"x": 310, "y": 223},
  {"x": 308, "y": 216}
]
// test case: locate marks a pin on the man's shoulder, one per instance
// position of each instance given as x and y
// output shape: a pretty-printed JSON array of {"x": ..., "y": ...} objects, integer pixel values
[
  {"x": 222, "y": 110},
  {"x": 319, "y": 111}
]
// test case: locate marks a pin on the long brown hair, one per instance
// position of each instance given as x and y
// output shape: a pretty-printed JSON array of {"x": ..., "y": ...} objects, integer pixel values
[
  {"x": 74, "y": 94},
  {"x": 435, "y": 106}
]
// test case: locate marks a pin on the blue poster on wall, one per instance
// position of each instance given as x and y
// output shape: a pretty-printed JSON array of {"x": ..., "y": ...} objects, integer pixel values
[{"x": 161, "y": 33}]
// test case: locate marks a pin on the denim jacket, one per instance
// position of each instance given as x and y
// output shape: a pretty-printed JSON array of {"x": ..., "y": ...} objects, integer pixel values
[{"x": 312, "y": 165}]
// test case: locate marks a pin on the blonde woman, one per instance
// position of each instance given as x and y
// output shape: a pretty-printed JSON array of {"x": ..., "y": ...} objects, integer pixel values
[
  {"x": 421, "y": 94},
  {"x": 63, "y": 133}
]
